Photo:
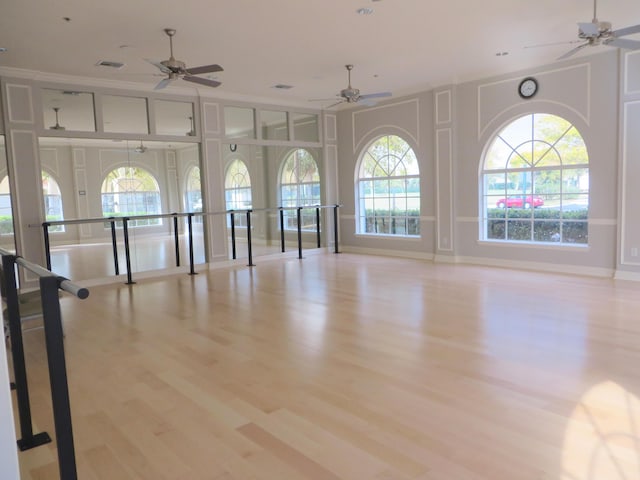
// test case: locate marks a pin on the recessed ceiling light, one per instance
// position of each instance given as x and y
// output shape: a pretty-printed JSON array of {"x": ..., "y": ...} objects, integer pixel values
[
  {"x": 364, "y": 11},
  {"x": 3, "y": 49}
]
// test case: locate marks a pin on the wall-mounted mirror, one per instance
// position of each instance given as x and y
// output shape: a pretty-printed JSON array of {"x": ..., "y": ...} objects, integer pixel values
[
  {"x": 125, "y": 114},
  {"x": 274, "y": 125},
  {"x": 174, "y": 118},
  {"x": 90, "y": 179},
  {"x": 239, "y": 122},
  {"x": 6, "y": 215},
  {"x": 305, "y": 127},
  {"x": 68, "y": 110}
]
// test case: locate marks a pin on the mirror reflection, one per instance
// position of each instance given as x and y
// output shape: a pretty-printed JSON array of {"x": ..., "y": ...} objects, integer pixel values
[
  {"x": 68, "y": 110},
  {"x": 93, "y": 179},
  {"x": 174, "y": 118},
  {"x": 125, "y": 114},
  {"x": 264, "y": 178},
  {"x": 6, "y": 215},
  {"x": 239, "y": 122},
  {"x": 274, "y": 125},
  {"x": 305, "y": 127}
]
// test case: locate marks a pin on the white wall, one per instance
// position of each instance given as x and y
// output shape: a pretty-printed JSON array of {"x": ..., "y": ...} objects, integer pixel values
[{"x": 450, "y": 128}]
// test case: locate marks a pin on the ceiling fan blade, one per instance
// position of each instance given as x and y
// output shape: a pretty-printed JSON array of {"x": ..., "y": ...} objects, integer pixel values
[
  {"x": 573, "y": 51},
  {"x": 334, "y": 104},
  {"x": 589, "y": 29},
  {"x": 552, "y": 44},
  {"x": 202, "y": 81},
  {"x": 163, "y": 83},
  {"x": 205, "y": 69},
  {"x": 322, "y": 99},
  {"x": 367, "y": 102},
  {"x": 159, "y": 65},
  {"x": 623, "y": 43},
  {"x": 626, "y": 31},
  {"x": 374, "y": 95}
]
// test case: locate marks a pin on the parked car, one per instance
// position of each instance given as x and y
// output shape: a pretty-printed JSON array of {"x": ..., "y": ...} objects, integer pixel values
[{"x": 520, "y": 201}]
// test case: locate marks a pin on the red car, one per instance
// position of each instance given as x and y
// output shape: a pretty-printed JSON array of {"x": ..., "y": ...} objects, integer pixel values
[{"x": 520, "y": 202}]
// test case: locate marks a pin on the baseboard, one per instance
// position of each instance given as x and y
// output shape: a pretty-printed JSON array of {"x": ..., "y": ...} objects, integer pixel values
[
  {"x": 622, "y": 275},
  {"x": 496, "y": 262},
  {"x": 539, "y": 266},
  {"x": 386, "y": 253}
]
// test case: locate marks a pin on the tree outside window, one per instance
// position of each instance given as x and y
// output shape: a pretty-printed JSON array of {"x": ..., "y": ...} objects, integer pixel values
[
  {"x": 535, "y": 183},
  {"x": 388, "y": 189}
]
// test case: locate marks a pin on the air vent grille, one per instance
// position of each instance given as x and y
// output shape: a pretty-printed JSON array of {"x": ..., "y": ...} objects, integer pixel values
[{"x": 110, "y": 64}]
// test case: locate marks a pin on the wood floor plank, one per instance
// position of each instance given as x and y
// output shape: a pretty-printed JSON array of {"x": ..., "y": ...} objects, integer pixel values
[{"x": 349, "y": 367}]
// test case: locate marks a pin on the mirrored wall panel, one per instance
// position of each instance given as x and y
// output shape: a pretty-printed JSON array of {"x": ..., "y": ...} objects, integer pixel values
[
  {"x": 305, "y": 127},
  {"x": 239, "y": 122},
  {"x": 174, "y": 118},
  {"x": 68, "y": 110},
  {"x": 6, "y": 215},
  {"x": 95, "y": 179},
  {"x": 274, "y": 125},
  {"x": 125, "y": 114}
]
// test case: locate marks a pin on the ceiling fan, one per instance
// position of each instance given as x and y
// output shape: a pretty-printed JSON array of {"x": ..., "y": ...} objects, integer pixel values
[
  {"x": 597, "y": 32},
  {"x": 176, "y": 69},
  {"x": 352, "y": 95}
]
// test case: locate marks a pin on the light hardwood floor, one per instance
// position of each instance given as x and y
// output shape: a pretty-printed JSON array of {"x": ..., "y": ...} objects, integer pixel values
[{"x": 349, "y": 367}]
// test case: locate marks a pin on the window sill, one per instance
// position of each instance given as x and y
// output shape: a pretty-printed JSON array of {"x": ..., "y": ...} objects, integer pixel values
[
  {"x": 581, "y": 247},
  {"x": 410, "y": 238}
]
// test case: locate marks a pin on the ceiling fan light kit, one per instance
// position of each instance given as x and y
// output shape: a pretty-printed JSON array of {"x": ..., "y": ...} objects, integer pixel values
[
  {"x": 177, "y": 69},
  {"x": 600, "y": 33}
]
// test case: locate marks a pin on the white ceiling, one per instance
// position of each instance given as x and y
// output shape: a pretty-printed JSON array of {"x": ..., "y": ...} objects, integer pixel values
[{"x": 405, "y": 46}]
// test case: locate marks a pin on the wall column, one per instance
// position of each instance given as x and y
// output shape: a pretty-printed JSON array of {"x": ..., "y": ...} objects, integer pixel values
[
  {"x": 23, "y": 163},
  {"x": 444, "y": 155}
]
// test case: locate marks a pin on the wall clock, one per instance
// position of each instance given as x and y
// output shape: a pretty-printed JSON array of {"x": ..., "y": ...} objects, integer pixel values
[{"x": 528, "y": 87}]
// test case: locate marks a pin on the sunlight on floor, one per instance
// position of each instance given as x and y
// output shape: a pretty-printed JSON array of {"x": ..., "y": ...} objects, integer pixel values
[{"x": 602, "y": 441}]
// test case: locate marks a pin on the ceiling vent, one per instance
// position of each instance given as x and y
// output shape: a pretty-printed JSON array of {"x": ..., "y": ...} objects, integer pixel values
[
  {"x": 109, "y": 63},
  {"x": 282, "y": 86}
]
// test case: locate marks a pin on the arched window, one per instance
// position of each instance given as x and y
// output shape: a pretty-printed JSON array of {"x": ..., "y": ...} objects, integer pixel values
[
  {"x": 193, "y": 193},
  {"x": 52, "y": 201},
  {"x": 535, "y": 183},
  {"x": 6, "y": 214},
  {"x": 237, "y": 190},
  {"x": 388, "y": 189},
  {"x": 299, "y": 186},
  {"x": 131, "y": 191}
]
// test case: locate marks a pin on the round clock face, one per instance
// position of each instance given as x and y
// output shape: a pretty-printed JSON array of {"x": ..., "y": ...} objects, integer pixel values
[{"x": 528, "y": 87}]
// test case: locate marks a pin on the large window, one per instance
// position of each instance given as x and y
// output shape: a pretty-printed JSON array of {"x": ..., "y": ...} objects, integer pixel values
[
  {"x": 535, "y": 183},
  {"x": 52, "y": 201},
  {"x": 388, "y": 189},
  {"x": 131, "y": 191},
  {"x": 299, "y": 186},
  {"x": 237, "y": 190}
]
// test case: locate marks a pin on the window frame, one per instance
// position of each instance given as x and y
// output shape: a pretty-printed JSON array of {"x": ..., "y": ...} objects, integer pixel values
[
  {"x": 142, "y": 223},
  {"x": 362, "y": 219},
  {"x": 521, "y": 212},
  {"x": 308, "y": 216},
  {"x": 239, "y": 220}
]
